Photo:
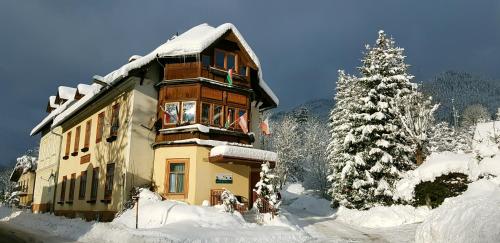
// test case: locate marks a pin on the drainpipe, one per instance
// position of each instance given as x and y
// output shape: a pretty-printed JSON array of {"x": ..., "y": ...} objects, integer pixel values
[{"x": 52, "y": 207}]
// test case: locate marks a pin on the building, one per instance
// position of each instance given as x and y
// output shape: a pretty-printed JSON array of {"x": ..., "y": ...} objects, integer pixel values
[
  {"x": 24, "y": 177},
  {"x": 170, "y": 118}
]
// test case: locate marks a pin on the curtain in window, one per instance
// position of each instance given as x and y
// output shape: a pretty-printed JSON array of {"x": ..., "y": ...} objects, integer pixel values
[{"x": 176, "y": 183}]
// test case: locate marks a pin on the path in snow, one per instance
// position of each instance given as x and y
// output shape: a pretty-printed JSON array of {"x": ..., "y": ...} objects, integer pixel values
[
  {"x": 328, "y": 229},
  {"x": 15, "y": 234}
]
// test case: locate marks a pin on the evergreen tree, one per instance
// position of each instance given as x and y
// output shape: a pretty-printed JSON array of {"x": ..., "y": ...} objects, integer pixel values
[
  {"x": 441, "y": 138},
  {"x": 341, "y": 122},
  {"x": 376, "y": 148},
  {"x": 266, "y": 187}
]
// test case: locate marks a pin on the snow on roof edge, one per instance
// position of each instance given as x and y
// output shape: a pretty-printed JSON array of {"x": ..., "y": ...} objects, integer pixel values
[{"x": 243, "y": 152}]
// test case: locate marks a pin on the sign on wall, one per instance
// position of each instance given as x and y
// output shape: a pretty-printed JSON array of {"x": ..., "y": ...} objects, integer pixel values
[{"x": 224, "y": 178}]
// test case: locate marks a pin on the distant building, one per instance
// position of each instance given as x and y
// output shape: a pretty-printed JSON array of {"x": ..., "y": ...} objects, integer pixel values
[{"x": 174, "y": 118}]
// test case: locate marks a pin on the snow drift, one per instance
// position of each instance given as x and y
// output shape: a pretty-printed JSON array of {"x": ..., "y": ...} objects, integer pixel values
[
  {"x": 470, "y": 217},
  {"x": 155, "y": 213}
]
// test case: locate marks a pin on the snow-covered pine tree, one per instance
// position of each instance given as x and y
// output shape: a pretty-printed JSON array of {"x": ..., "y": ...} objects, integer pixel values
[
  {"x": 378, "y": 150},
  {"x": 340, "y": 123},
  {"x": 266, "y": 187}
]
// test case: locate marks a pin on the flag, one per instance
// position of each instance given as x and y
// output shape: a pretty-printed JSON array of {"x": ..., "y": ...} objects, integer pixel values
[
  {"x": 243, "y": 122},
  {"x": 228, "y": 120},
  {"x": 229, "y": 77},
  {"x": 166, "y": 118},
  {"x": 264, "y": 126}
]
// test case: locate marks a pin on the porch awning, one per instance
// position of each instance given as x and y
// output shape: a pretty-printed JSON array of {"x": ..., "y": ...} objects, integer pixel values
[{"x": 241, "y": 155}]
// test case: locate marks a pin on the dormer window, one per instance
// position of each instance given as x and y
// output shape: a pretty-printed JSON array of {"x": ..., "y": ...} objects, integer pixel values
[
  {"x": 225, "y": 60},
  {"x": 219, "y": 59},
  {"x": 205, "y": 61},
  {"x": 242, "y": 70},
  {"x": 231, "y": 61}
]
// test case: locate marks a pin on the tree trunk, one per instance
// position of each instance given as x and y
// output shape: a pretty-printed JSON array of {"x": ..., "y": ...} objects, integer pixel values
[{"x": 419, "y": 155}]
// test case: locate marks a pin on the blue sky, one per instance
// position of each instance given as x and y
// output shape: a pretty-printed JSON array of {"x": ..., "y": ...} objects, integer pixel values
[{"x": 301, "y": 44}]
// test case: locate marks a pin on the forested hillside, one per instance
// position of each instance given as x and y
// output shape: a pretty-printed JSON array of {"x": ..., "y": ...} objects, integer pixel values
[{"x": 466, "y": 89}]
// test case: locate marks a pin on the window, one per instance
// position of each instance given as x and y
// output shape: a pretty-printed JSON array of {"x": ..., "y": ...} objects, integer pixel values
[
  {"x": 77, "y": 141},
  {"x": 205, "y": 61},
  {"x": 188, "y": 111},
  {"x": 95, "y": 183},
  {"x": 231, "y": 61},
  {"x": 177, "y": 176},
  {"x": 72, "y": 187},
  {"x": 100, "y": 127},
  {"x": 218, "y": 114},
  {"x": 115, "y": 120},
  {"x": 242, "y": 70},
  {"x": 88, "y": 128},
  {"x": 230, "y": 117},
  {"x": 63, "y": 189},
  {"x": 68, "y": 145},
  {"x": 83, "y": 185},
  {"x": 205, "y": 113},
  {"x": 108, "y": 186},
  {"x": 219, "y": 59},
  {"x": 171, "y": 113}
]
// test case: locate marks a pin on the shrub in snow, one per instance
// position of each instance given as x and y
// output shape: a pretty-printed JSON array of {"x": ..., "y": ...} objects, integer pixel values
[
  {"x": 266, "y": 188},
  {"x": 134, "y": 192},
  {"x": 375, "y": 150},
  {"x": 434, "y": 193},
  {"x": 436, "y": 165},
  {"x": 470, "y": 217},
  {"x": 229, "y": 201}
]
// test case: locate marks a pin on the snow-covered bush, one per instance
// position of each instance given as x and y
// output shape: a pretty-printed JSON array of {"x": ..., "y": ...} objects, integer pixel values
[
  {"x": 470, "y": 217},
  {"x": 434, "y": 193},
  {"x": 229, "y": 201},
  {"x": 436, "y": 165},
  {"x": 266, "y": 188}
]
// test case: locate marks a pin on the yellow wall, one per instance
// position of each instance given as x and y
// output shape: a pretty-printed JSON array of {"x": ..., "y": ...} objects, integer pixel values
[
  {"x": 101, "y": 153},
  {"x": 50, "y": 144},
  {"x": 201, "y": 173},
  {"x": 27, "y": 179}
]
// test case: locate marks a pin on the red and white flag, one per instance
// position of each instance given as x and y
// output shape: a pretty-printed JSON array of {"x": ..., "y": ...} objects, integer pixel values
[
  {"x": 166, "y": 118},
  {"x": 264, "y": 126},
  {"x": 243, "y": 122}
]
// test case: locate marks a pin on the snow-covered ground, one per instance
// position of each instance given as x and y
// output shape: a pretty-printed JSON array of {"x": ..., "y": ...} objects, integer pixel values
[{"x": 160, "y": 221}]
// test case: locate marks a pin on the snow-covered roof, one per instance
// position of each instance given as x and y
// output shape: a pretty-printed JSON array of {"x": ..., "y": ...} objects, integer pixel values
[
  {"x": 65, "y": 92},
  {"x": 50, "y": 117},
  {"x": 191, "y": 42},
  {"x": 93, "y": 91},
  {"x": 243, "y": 152},
  {"x": 52, "y": 101},
  {"x": 84, "y": 88}
]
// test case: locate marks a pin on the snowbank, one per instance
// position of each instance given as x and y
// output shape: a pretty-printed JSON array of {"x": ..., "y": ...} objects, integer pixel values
[
  {"x": 312, "y": 204},
  {"x": 437, "y": 164},
  {"x": 490, "y": 166},
  {"x": 383, "y": 216},
  {"x": 470, "y": 217},
  {"x": 159, "y": 221},
  {"x": 154, "y": 213},
  {"x": 292, "y": 191}
]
